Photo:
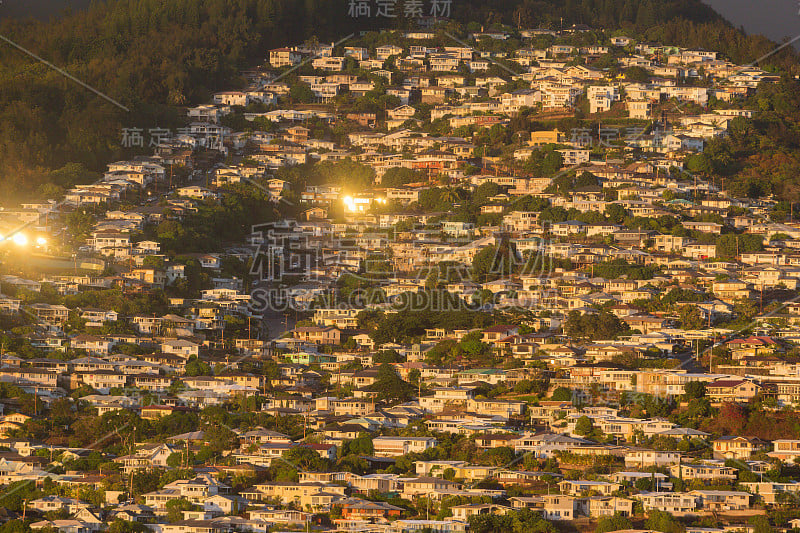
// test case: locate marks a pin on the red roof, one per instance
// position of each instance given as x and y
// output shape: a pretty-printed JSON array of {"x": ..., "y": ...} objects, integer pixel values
[
  {"x": 727, "y": 383},
  {"x": 753, "y": 340},
  {"x": 315, "y": 446}
]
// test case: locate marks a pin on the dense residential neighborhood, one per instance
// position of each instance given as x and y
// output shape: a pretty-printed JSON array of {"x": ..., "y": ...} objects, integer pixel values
[{"x": 396, "y": 285}]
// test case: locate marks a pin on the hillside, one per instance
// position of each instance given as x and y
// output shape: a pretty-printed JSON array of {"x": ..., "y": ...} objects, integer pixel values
[{"x": 154, "y": 56}]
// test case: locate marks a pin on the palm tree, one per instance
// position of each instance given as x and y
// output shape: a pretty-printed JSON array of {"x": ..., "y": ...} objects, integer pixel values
[{"x": 450, "y": 195}]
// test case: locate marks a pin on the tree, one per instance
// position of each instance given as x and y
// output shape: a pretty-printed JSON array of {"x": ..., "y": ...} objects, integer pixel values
[
  {"x": 691, "y": 317},
  {"x": 305, "y": 458},
  {"x": 399, "y": 176},
  {"x": 522, "y": 521},
  {"x": 562, "y": 394},
  {"x": 196, "y": 367},
  {"x": 730, "y": 245},
  {"x": 175, "y": 460},
  {"x": 354, "y": 464},
  {"x": 616, "y": 213},
  {"x": 126, "y": 526},
  {"x": 362, "y": 445},
  {"x": 744, "y": 309},
  {"x": 586, "y": 179},
  {"x": 176, "y": 507},
  {"x": 79, "y": 223},
  {"x": 16, "y": 494},
  {"x": 637, "y": 74},
  {"x": 589, "y": 326},
  {"x": 663, "y": 521},
  {"x": 220, "y": 438},
  {"x": 390, "y": 386},
  {"x": 499, "y": 456},
  {"x": 483, "y": 264},
  {"x": 387, "y": 356},
  {"x": 301, "y": 93},
  {"x": 584, "y": 426},
  {"x": 616, "y": 522},
  {"x": 760, "y": 524},
  {"x": 695, "y": 389}
]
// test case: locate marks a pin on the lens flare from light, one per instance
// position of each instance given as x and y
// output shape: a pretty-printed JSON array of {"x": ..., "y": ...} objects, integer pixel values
[
  {"x": 20, "y": 239},
  {"x": 41, "y": 241}
]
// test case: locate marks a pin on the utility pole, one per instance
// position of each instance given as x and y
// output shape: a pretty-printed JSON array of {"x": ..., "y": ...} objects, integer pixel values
[{"x": 711, "y": 355}]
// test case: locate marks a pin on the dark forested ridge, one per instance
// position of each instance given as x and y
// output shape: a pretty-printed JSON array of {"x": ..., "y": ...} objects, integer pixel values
[
  {"x": 154, "y": 56},
  {"x": 149, "y": 55}
]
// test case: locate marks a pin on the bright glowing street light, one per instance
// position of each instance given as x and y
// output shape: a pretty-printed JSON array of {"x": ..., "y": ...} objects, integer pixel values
[
  {"x": 20, "y": 239},
  {"x": 41, "y": 241}
]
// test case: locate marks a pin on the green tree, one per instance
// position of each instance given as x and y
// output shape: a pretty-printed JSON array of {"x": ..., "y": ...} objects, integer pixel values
[
  {"x": 126, "y": 526},
  {"x": 561, "y": 394},
  {"x": 390, "y": 386},
  {"x": 691, "y": 317},
  {"x": 663, "y": 521},
  {"x": 637, "y": 74},
  {"x": 584, "y": 426},
  {"x": 175, "y": 460},
  {"x": 695, "y": 389},
  {"x": 616, "y": 522},
  {"x": 730, "y": 245},
  {"x": 589, "y": 326},
  {"x": 176, "y": 507},
  {"x": 305, "y": 458}
]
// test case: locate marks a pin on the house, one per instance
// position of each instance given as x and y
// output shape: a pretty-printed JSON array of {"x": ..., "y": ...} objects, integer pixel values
[
  {"x": 732, "y": 390},
  {"x": 705, "y": 472},
  {"x": 316, "y": 496},
  {"x": 432, "y": 526},
  {"x": 722, "y": 500},
  {"x": 318, "y": 335},
  {"x": 772, "y": 492},
  {"x": 396, "y": 446},
  {"x": 284, "y": 57},
  {"x": 152, "y": 412},
  {"x": 192, "y": 526},
  {"x": 92, "y": 344},
  {"x": 464, "y": 512},
  {"x": 597, "y": 506},
  {"x": 733, "y": 447},
  {"x": 52, "y": 314},
  {"x": 550, "y": 506},
  {"x": 181, "y": 347},
  {"x": 356, "y": 508},
  {"x": 671, "y": 502},
  {"x": 444, "y": 397},
  {"x": 55, "y": 503},
  {"x": 579, "y": 487},
  {"x": 426, "y": 486},
  {"x": 644, "y": 458},
  {"x": 787, "y": 450},
  {"x": 146, "y": 457},
  {"x": 496, "y": 333},
  {"x": 731, "y": 290},
  {"x": 220, "y": 504},
  {"x": 62, "y": 526}
]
